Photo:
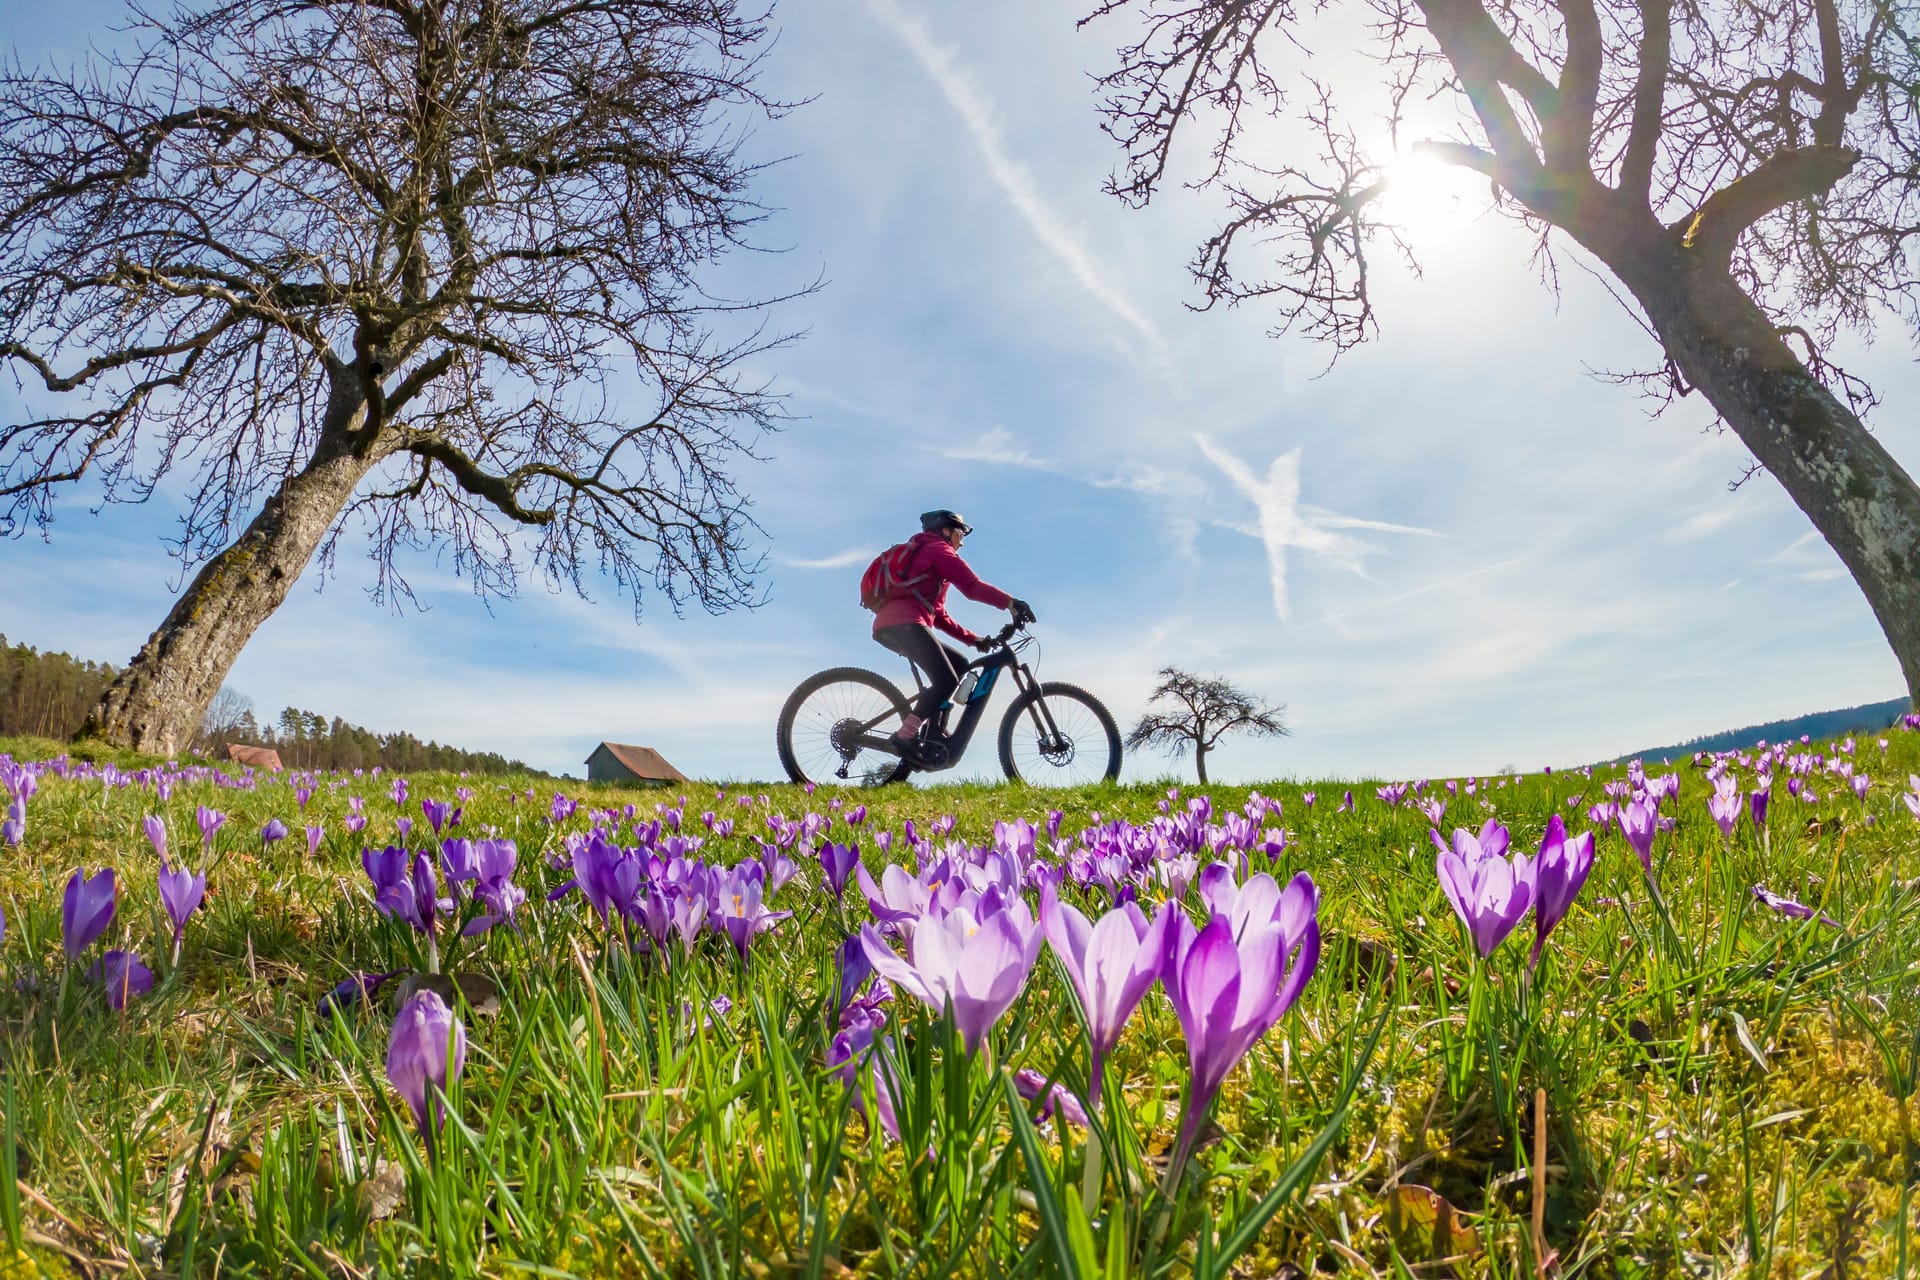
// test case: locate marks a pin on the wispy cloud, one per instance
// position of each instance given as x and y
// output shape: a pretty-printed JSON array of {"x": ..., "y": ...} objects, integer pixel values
[
  {"x": 1808, "y": 558},
  {"x": 1283, "y": 523},
  {"x": 997, "y": 446},
  {"x": 976, "y": 111},
  {"x": 1705, "y": 521},
  {"x": 839, "y": 560},
  {"x": 1333, "y": 619}
]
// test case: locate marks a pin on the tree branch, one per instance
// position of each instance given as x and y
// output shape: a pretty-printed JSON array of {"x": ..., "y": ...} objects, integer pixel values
[
  {"x": 1783, "y": 178},
  {"x": 1567, "y": 129},
  {"x": 1649, "y": 98},
  {"x": 502, "y": 492}
]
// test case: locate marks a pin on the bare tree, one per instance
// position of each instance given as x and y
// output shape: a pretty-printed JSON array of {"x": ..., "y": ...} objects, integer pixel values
[
  {"x": 1747, "y": 171},
  {"x": 220, "y": 723},
  {"x": 1202, "y": 710},
  {"x": 425, "y": 269}
]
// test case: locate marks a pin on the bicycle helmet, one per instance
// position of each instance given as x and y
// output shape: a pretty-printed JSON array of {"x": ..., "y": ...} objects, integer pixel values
[{"x": 935, "y": 521}]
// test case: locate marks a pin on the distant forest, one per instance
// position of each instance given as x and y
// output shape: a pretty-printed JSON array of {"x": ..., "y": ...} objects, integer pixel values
[
  {"x": 1819, "y": 726},
  {"x": 48, "y": 695}
]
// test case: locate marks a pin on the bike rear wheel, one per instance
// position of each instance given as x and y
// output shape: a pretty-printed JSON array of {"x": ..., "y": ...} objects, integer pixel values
[
  {"x": 823, "y": 719},
  {"x": 1085, "y": 749}
]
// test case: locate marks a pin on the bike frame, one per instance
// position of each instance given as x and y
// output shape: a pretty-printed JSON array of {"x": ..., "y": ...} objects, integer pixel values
[{"x": 990, "y": 665}]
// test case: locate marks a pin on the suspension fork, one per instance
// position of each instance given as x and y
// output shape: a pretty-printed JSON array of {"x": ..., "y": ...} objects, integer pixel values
[{"x": 1037, "y": 707}]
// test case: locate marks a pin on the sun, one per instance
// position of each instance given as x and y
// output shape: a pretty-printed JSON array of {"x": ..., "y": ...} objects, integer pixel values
[{"x": 1430, "y": 200}]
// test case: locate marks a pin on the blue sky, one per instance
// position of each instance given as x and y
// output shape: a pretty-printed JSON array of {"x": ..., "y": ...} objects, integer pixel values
[{"x": 1452, "y": 552}]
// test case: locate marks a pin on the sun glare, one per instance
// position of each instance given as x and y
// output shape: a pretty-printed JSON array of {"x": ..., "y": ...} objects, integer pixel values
[{"x": 1430, "y": 200}]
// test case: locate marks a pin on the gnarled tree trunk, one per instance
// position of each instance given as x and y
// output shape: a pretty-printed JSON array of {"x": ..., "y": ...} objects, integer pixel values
[
  {"x": 1856, "y": 494},
  {"x": 157, "y": 702}
]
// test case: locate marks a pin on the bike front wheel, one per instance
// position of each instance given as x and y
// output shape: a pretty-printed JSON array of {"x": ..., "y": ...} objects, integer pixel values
[
  {"x": 1059, "y": 736},
  {"x": 824, "y": 722}
]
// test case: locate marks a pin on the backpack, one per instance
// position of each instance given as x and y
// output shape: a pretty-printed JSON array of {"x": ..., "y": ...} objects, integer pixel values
[{"x": 886, "y": 577}]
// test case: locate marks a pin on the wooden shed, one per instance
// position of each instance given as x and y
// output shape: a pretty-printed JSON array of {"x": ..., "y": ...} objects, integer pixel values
[
  {"x": 254, "y": 757},
  {"x": 619, "y": 762}
]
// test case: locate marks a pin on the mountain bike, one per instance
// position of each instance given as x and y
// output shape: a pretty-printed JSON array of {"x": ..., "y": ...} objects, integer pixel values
[{"x": 838, "y": 725}]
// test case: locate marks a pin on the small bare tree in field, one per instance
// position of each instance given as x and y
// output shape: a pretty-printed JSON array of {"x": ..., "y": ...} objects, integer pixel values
[
  {"x": 1200, "y": 711},
  {"x": 1747, "y": 172},
  {"x": 426, "y": 269},
  {"x": 222, "y": 721}
]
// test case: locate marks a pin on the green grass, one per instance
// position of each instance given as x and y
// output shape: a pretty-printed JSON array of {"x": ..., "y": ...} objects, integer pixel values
[{"x": 1733, "y": 1098}]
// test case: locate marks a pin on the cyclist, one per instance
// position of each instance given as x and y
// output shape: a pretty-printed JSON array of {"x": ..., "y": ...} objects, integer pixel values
[{"x": 905, "y": 622}]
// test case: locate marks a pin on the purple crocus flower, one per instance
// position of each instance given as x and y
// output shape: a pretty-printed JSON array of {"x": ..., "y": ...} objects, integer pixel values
[
  {"x": 426, "y": 1052},
  {"x": 355, "y": 989},
  {"x": 974, "y": 966},
  {"x": 1033, "y": 1086},
  {"x": 457, "y": 860},
  {"x": 1559, "y": 871},
  {"x": 210, "y": 821},
  {"x": 87, "y": 910},
  {"x": 1757, "y": 804},
  {"x": 1492, "y": 842},
  {"x": 315, "y": 834},
  {"x": 837, "y": 862},
  {"x": 123, "y": 976},
  {"x": 1110, "y": 964},
  {"x": 436, "y": 814},
  {"x": 406, "y": 890},
  {"x": 181, "y": 892},
  {"x": 13, "y": 829},
  {"x": 1790, "y": 908},
  {"x": 608, "y": 875},
  {"x": 740, "y": 911},
  {"x": 385, "y": 867},
  {"x": 687, "y": 915},
  {"x": 1639, "y": 822},
  {"x": 1724, "y": 804},
  {"x": 425, "y": 899},
  {"x": 857, "y": 1043},
  {"x": 898, "y": 899},
  {"x": 493, "y": 864},
  {"x": 399, "y": 791},
  {"x": 1227, "y": 993},
  {"x": 652, "y": 911},
  {"x": 1489, "y": 894},
  {"x": 156, "y": 830},
  {"x": 855, "y": 969},
  {"x": 274, "y": 832}
]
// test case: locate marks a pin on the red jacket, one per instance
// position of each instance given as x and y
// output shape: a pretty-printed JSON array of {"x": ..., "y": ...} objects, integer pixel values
[{"x": 925, "y": 603}]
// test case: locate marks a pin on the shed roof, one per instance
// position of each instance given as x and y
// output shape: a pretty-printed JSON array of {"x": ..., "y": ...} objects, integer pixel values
[
  {"x": 641, "y": 762},
  {"x": 254, "y": 757}
]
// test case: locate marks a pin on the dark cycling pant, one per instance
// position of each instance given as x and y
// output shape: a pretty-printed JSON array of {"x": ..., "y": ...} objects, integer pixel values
[{"x": 939, "y": 665}]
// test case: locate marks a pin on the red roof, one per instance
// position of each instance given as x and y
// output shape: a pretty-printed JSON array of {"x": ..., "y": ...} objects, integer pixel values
[
  {"x": 642, "y": 762},
  {"x": 257, "y": 757}
]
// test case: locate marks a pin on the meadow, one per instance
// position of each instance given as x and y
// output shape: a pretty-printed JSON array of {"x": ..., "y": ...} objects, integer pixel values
[{"x": 1618, "y": 1022}]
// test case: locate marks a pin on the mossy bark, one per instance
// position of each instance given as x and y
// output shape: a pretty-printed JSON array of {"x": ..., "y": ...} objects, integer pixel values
[
  {"x": 156, "y": 704},
  {"x": 1856, "y": 494}
]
